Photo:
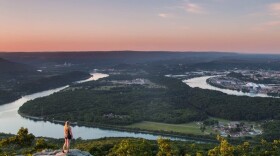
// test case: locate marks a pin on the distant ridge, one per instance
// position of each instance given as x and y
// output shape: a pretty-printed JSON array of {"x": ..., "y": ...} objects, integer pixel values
[
  {"x": 107, "y": 57},
  {"x": 12, "y": 67}
]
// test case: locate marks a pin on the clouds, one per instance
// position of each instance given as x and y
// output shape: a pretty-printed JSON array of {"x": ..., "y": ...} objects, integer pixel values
[
  {"x": 194, "y": 8},
  {"x": 187, "y": 6},
  {"x": 271, "y": 13},
  {"x": 274, "y": 9},
  {"x": 272, "y": 23},
  {"x": 164, "y": 15},
  {"x": 267, "y": 26}
]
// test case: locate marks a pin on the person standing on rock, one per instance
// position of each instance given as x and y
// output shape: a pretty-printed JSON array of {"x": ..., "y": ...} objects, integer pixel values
[{"x": 68, "y": 135}]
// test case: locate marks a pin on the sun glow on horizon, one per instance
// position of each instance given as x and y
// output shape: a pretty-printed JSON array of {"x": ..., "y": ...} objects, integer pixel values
[{"x": 179, "y": 25}]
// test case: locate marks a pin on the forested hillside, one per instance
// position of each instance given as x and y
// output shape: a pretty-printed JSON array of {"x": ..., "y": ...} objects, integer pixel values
[
  {"x": 108, "y": 102},
  {"x": 18, "y": 79},
  {"x": 167, "y": 100},
  {"x": 8, "y": 67}
]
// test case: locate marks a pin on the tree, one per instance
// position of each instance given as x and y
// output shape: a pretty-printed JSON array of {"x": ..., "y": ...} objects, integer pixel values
[
  {"x": 164, "y": 146},
  {"x": 41, "y": 143},
  {"x": 23, "y": 138},
  {"x": 224, "y": 149},
  {"x": 202, "y": 128},
  {"x": 129, "y": 147},
  {"x": 243, "y": 149}
]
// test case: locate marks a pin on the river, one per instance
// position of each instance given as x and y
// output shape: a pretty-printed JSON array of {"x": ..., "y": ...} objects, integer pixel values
[
  {"x": 200, "y": 82},
  {"x": 11, "y": 121}
]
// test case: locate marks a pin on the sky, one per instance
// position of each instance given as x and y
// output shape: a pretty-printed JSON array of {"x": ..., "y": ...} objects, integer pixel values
[{"x": 246, "y": 26}]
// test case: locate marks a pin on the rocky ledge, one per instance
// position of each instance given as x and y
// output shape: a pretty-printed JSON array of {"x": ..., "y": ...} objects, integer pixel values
[{"x": 73, "y": 152}]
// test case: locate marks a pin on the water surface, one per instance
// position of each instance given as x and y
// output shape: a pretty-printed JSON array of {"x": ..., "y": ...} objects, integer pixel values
[
  {"x": 200, "y": 82},
  {"x": 11, "y": 121}
]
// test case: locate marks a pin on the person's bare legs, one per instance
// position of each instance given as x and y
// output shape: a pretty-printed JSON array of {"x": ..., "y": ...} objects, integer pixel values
[
  {"x": 64, "y": 145},
  {"x": 68, "y": 147}
]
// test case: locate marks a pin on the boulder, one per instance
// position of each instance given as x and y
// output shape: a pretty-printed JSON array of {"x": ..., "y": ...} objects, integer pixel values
[{"x": 73, "y": 152}]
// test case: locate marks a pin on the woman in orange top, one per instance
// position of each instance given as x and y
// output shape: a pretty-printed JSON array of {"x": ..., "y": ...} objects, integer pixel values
[{"x": 67, "y": 136}]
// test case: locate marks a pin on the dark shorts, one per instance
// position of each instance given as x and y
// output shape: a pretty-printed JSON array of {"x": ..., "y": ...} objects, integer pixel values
[{"x": 68, "y": 137}]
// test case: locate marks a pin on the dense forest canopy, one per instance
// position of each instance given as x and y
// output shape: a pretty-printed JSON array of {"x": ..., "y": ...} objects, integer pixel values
[
  {"x": 107, "y": 102},
  {"x": 169, "y": 100}
]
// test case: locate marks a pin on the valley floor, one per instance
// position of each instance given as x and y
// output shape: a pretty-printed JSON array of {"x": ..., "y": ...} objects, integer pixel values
[{"x": 188, "y": 128}]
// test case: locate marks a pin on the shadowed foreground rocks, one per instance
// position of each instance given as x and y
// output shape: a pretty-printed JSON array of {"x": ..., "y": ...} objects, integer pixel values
[{"x": 73, "y": 152}]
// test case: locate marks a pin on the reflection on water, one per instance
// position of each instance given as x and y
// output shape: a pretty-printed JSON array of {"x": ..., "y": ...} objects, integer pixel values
[
  {"x": 95, "y": 76},
  {"x": 11, "y": 121},
  {"x": 200, "y": 82}
]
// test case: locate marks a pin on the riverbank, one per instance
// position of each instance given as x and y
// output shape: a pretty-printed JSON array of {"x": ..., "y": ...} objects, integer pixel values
[
  {"x": 208, "y": 81},
  {"x": 41, "y": 84},
  {"x": 170, "y": 134},
  {"x": 201, "y": 82}
]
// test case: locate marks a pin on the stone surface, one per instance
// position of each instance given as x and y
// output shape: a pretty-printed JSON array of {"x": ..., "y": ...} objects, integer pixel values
[{"x": 73, "y": 152}]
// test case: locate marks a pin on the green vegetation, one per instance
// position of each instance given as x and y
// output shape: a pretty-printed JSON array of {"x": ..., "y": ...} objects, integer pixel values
[
  {"x": 7, "y": 96},
  {"x": 231, "y": 107},
  {"x": 51, "y": 82},
  {"x": 133, "y": 147},
  {"x": 13, "y": 87},
  {"x": 13, "y": 74},
  {"x": 271, "y": 130},
  {"x": 167, "y": 101},
  {"x": 162, "y": 105},
  {"x": 171, "y": 101},
  {"x": 188, "y": 128},
  {"x": 112, "y": 103},
  {"x": 25, "y": 143}
]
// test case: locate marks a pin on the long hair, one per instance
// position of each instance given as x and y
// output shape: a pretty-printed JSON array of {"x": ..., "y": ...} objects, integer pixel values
[{"x": 67, "y": 125}]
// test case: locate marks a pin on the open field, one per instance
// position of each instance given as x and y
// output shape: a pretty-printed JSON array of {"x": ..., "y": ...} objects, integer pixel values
[{"x": 188, "y": 128}]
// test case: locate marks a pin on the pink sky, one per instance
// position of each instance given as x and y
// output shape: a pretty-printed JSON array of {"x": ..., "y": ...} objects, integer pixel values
[{"x": 179, "y": 25}]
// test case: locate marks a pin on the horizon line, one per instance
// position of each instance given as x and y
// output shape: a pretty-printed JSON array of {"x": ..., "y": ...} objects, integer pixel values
[{"x": 145, "y": 51}]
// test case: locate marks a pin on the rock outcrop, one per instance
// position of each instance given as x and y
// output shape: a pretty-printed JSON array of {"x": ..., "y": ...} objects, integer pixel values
[{"x": 73, "y": 152}]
